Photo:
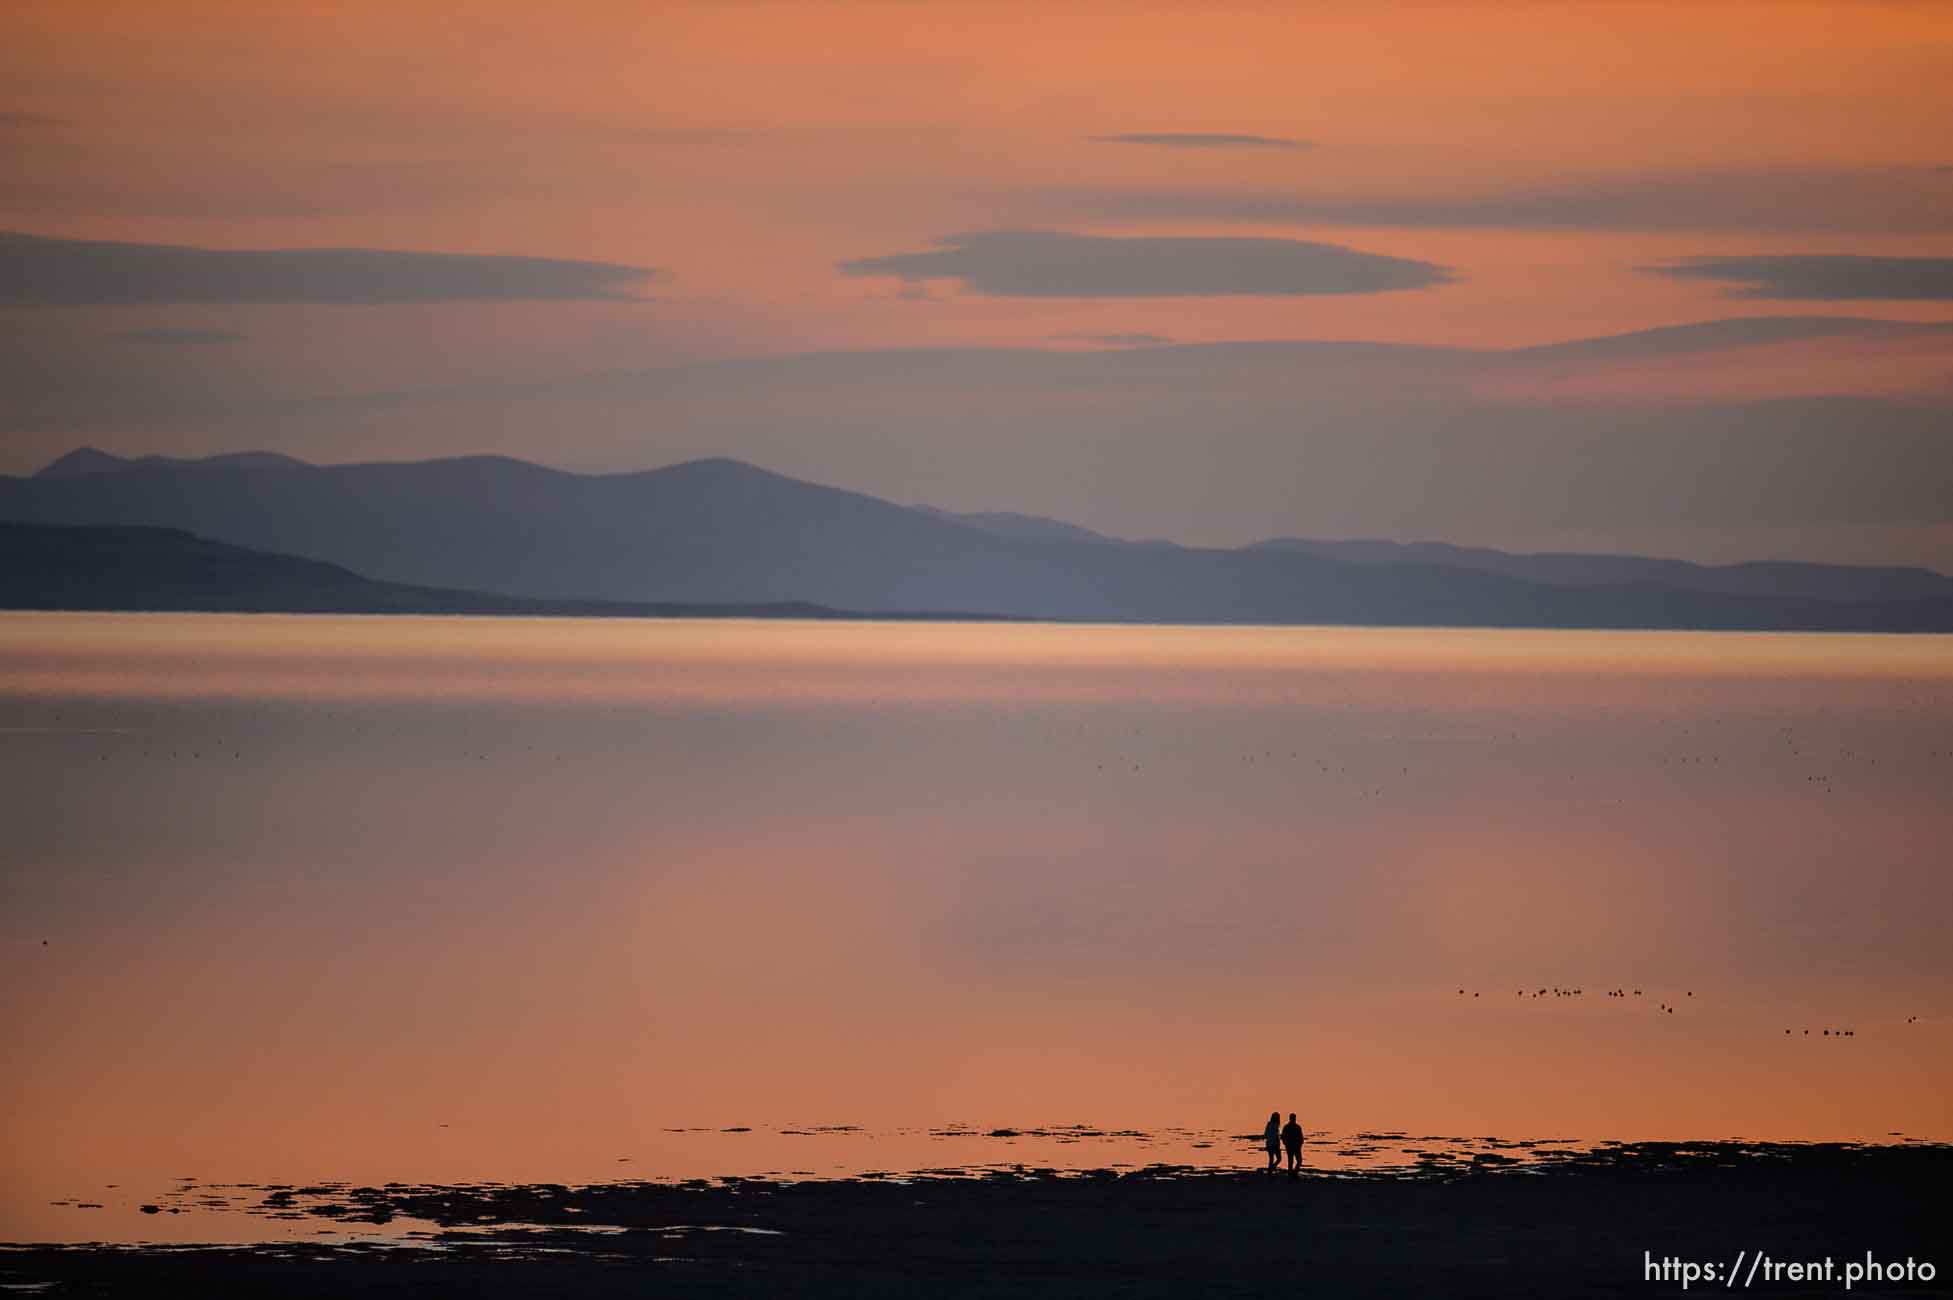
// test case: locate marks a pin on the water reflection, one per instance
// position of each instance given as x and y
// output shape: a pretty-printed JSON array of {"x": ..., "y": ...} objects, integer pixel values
[{"x": 435, "y": 899}]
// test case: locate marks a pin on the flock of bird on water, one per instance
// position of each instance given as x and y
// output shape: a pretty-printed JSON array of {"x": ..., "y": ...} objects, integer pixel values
[{"x": 1555, "y": 991}]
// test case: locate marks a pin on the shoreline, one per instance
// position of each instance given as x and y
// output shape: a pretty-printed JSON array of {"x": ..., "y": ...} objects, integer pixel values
[{"x": 1585, "y": 1222}]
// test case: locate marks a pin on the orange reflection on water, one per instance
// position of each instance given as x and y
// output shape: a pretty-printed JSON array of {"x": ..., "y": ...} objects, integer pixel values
[
  {"x": 731, "y": 660},
  {"x": 449, "y": 898}
]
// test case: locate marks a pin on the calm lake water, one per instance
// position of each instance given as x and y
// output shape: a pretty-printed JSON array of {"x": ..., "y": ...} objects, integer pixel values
[{"x": 292, "y": 899}]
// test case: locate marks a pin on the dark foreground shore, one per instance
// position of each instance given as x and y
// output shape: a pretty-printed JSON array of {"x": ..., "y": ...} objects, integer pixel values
[{"x": 1623, "y": 1220}]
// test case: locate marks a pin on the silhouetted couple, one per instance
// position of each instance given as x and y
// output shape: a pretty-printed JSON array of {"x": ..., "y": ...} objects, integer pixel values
[{"x": 1277, "y": 1136}]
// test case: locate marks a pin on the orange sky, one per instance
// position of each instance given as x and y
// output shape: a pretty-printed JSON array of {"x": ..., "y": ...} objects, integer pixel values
[
  {"x": 748, "y": 147},
  {"x": 1546, "y": 153}
]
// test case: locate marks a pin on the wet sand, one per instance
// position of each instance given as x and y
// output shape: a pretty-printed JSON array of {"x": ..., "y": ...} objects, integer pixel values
[{"x": 1571, "y": 1223}]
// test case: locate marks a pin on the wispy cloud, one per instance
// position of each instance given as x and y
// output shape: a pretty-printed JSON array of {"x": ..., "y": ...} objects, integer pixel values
[
  {"x": 1871, "y": 200},
  {"x": 1054, "y": 264},
  {"x": 176, "y": 337},
  {"x": 1740, "y": 332},
  {"x": 36, "y": 271},
  {"x": 1130, "y": 339},
  {"x": 1203, "y": 140},
  {"x": 1821, "y": 277}
]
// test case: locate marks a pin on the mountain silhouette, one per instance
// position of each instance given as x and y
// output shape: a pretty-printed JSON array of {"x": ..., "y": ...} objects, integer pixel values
[
  {"x": 79, "y": 567},
  {"x": 89, "y": 460},
  {"x": 1760, "y": 578},
  {"x": 722, "y": 532},
  {"x": 1009, "y": 523}
]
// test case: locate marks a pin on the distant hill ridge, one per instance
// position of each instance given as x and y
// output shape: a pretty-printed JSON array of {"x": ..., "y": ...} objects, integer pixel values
[
  {"x": 1759, "y": 577},
  {"x": 1009, "y": 523},
  {"x": 88, "y": 460},
  {"x": 114, "y": 567},
  {"x": 722, "y": 532}
]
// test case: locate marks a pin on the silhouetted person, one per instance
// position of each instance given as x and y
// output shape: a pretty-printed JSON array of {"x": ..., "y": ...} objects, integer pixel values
[
  {"x": 1271, "y": 1137},
  {"x": 1292, "y": 1139}
]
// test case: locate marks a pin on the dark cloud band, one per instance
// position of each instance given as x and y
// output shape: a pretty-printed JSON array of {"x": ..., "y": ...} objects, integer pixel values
[
  {"x": 36, "y": 271},
  {"x": 1126, "y": 339},
  {"x": 1821, "y": 277},
  {"x": 1870, "y": 200},
  {"x": 176, "y": 337},
  {"x": 1202, "y": 140},
  {"x": 1051, "y": 264}
]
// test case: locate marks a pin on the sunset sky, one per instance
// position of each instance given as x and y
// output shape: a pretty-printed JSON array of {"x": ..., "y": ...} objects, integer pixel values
[{"x": 1082, "y": 260}]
